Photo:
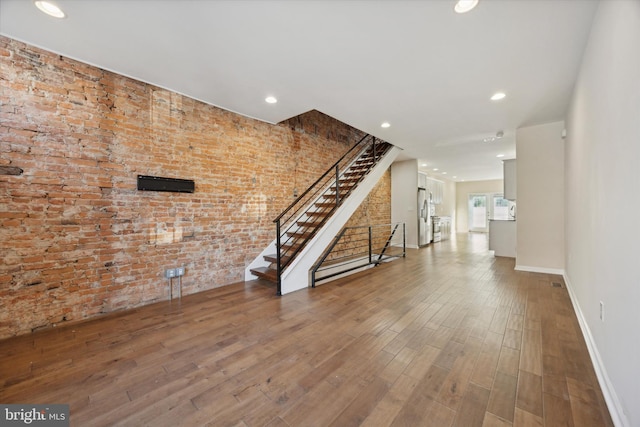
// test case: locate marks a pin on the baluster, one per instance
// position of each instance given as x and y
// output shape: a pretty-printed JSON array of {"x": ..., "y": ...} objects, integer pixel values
[
  {"x": 337, "y": 185},
  {"x": 278, "y": 256},
  {"x": 373, "y": 150},
  {"x": 370, "y": 245}
]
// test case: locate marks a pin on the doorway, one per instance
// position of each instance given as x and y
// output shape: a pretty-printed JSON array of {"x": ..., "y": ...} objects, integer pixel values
[{"x": 478, "y": 213}]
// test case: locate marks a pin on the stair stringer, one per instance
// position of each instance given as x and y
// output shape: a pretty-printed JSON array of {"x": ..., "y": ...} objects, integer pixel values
[{"x": 297, "y": 274}]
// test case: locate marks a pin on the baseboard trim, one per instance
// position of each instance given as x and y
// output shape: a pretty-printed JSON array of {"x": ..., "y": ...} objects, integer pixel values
[
  {"x": 545, "y": 270},
  {"x": 610, "y": 396}
]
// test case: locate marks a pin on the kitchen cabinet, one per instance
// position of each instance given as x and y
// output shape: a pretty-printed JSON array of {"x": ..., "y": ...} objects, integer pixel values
[
  {"x": 509, "y": 170},
  {"x": 445, "y": 227},
  {"x": 437, "y": 190},
  {"x": 502, "y": 238},
  {"x": 422, "y": 180}
]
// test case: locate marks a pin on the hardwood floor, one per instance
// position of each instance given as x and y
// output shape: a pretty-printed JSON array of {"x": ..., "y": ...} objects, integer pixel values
[{"x": 449, "y": 336}]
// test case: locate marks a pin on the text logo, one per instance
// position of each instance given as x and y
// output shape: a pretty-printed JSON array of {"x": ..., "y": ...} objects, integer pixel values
[{"x": 34, "y": 415}]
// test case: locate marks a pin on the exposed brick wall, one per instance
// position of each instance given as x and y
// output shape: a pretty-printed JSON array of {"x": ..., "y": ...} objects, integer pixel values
[
  {"x": 376, "y": 208},
  {"x": 76, "y": 237}
]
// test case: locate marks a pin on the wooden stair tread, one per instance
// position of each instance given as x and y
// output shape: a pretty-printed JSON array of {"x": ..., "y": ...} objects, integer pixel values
[
  {"x": 265, "y": 273},
  {"x": 359, "y": 169},
  {"x": 273, "y": 258},
  {"x": 325, "y": 213},
  {"x": 300, "y": 234},
  {"x": 313, "y": 224},
  {"x": 290, "y": 247},
  {"x": 345, "y": 186}
]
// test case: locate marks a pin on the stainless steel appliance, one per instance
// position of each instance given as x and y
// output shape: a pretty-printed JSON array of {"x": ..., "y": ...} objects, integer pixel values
[
  {"x": 424, "y": 217},
  {"x": 437, "y": 232}
]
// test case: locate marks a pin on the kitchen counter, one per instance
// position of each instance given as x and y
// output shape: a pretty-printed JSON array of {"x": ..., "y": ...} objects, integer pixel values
[
  {"x": 502, "y": 237},
  {"x": 445, "y": 226}
]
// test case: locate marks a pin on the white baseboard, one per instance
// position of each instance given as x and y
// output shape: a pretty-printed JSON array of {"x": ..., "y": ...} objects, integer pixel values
[
  {"x": 610, "y": 396},
  {"x": 558, "y": 271}
]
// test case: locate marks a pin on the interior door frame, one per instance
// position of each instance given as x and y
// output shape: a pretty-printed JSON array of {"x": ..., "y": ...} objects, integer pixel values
[{"x": 488, "y": 202}]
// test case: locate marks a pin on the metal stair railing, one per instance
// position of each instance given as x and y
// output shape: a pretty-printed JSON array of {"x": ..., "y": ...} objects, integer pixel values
[
  {"x": 288, "y": 222},
  {"x": 357, "y": 247}
]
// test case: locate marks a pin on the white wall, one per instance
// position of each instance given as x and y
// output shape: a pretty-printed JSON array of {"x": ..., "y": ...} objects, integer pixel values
[
  {"x": 602, "y": 186},
  {"x": 540, "y": 198},
  {"x": 404, "y": 198},
  {"x": 448, "y": 205},
  {"x": 463, "y": 189}
]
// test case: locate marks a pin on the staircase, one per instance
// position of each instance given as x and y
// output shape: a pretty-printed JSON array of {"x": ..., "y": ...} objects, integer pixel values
[{"x": 302, "y": 221}]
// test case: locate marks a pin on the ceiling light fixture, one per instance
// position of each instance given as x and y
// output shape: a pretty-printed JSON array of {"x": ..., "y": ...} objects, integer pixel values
[
  {"x": 463, "y": 6},
  {"x": 500, "y": 155},
  {"x": 50, "y": 9},
  {"x": 498, "y": 96},
  {"x": 271, "y": 100},
  {"x": 435, "y": 169},
  {"x": 385, "y": 125}
]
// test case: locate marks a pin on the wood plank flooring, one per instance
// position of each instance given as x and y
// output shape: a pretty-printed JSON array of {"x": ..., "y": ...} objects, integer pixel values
[{"x": 449, "y": 336}]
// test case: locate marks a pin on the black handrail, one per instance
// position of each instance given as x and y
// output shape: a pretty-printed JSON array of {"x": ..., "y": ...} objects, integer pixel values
[{"x": 310, "y": 197}]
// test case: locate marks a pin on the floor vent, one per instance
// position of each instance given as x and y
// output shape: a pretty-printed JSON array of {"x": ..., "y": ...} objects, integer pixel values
[{"x": 556, "y": 284}]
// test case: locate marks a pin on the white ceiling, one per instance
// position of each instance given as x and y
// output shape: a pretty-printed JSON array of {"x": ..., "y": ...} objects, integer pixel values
[{"x": 416, "y": 64}]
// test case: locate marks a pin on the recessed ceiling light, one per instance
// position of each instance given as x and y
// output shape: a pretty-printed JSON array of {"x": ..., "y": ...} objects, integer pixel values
[
  {"x": 435, "y": 169},
  {"x": 424, "y": 165},
  {"x": 385, "y": 125},
  {"x": 454, "y": 177},
  {"x": 500, "y": 155},
  {"x": 444, "y": 173},
  {"x": 498, "y": 96},
  {"x": 271, "y": 100},
  {"x": 463, "y": 6},
  {"x": 50, "y": 9}
]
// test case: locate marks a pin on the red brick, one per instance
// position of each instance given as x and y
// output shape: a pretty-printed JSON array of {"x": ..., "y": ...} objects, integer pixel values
[{"x": 75, "y": 220}]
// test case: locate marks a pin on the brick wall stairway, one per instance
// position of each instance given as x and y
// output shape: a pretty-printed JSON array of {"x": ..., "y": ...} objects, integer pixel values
[{"x": 317, "y": 213}]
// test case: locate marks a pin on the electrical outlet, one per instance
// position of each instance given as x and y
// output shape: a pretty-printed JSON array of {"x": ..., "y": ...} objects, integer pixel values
[
  {"x": 179, "y": 271},
  {"x": 601, "y": 311},
  {"x": 170, "y": 273}
]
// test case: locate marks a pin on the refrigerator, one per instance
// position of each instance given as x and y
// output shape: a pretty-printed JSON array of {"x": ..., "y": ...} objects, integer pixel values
[{"x": 424, "y": 217}]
